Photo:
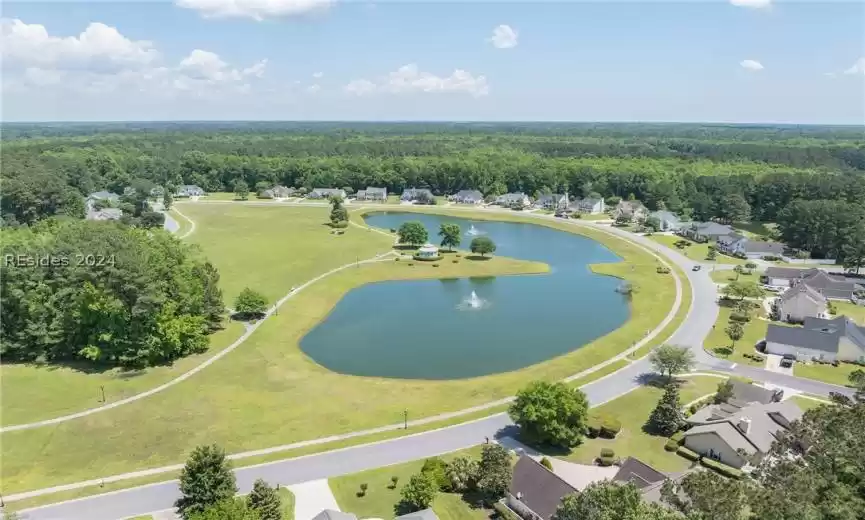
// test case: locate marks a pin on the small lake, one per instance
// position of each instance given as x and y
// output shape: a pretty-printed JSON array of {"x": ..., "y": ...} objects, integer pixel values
[{"x": 432, "y": 329}]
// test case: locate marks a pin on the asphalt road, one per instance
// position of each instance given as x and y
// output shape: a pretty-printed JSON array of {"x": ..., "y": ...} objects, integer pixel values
[{"x": 698, "y": 324}]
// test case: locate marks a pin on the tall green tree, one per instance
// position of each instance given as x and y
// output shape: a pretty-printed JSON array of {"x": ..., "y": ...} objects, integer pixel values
[
  {"x": 418, "y": 493},
  {"x": 734, "y": 331},
  {"x": 451, "y": 235},
  {"x": 338, "y": 213},
  {"x": 607, "y": 500},
  {"x": 462, "y": 472},
  {"x": 229, "y": 509},
  {"x": 494, "y": 471},
  {"x": 482, "y": 246},
  {"x": 241, "y": 189},
  {"x": 205, "y": 480},
  {"x": 667, "y": 417},
  {"x": 250, "y": 304},
  {"x": 671, "y": 359},
  {"x": 706, "y": 495},
  {"x": 265, "y": 501},
  {"x": 551, "y": 414},
  {"x": 412, "y": 233},
  {"x": 742, "y": 290}
]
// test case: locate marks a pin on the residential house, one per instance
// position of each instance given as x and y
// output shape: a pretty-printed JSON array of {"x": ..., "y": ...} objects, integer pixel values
[
  {"x": 735, "y": 244},
  {"x": 536, "y": 492},
  {"x": 800, "y": 302},
  {"x": 423, "y": 514},
  {"x": 636, "y": 472},
  {"x": 706, "y": 231},
  {"x": 332, "y": 514},
  {"x": 468, "y": 197},
  {"x": 157, "y": 192},
  {"x": 189, "y": 190},
  {"x": 632, "y": 209},
  {"x": 744, "y": 436},
  {"x": 417, "y": 195},
  {"x": 106, "y": 197},
  {"x": 831, "y": 286},
  {"x": 326, "y": 193},
  {"x": 513, "y": 199},
  {"x": 552, "y": 201},
  {"x": 104, "y": 214},
  {"x": 826, "y": 340},
  {"x": 372, "y": 194},
  {"x": 743, "y": 395},
  {"x": 588, "y": 205},
  {"x": 666, "y": 220}
]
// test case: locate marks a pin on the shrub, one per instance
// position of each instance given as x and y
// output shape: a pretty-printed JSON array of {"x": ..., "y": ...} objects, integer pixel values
[
  {"x": 545, "y": 462},
  {"x": 607, "y": 452},
  {"x": 771, "y": 258},
  {"x": 720, "y": 467},
  {"x": 393, "y": 481},
  {"x": 606, "y": 461},
  {"x": 504, "y": 512},
  {"x": 662, "y": 270},
  {"x": 610, "y": 428},
  {"x": 455, "y": 261},
  {"x": 671, "y": 445},
  {"x": 411, "y": 263},
  {"x": 363, "y": 488},
  {"x": 688, "y": 454},
  {"x": 593, "y": 427},
  {"x": 396, "y": 259},
  {"x": 435, "y": 265},
  {"x": 740, "y": 317},
  {"x": 458, "y": 255},
  {"x": 436, "y": 470},
  {"x": 678, "y": 437},
  {"x": 342, "y": 224}
]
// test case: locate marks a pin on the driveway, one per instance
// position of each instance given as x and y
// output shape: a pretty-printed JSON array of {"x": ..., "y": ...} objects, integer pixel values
[
  {"x": 311, "y": 498},
  {"x": 773, "y": 364}
]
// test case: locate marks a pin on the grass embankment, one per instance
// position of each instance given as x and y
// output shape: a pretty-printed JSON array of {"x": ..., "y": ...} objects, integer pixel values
[
  {"x": 632, "y": 410},
  {"x": 267, "y": 392},
  {"x": 851, "y": 310},
  {"x": 806, "y": 403},
  {"x": 827, "y": 373},
  {"x": 695, "y": 251},
  {"x": 381, "y": 497},
  {"x": 719, "y": 345}
]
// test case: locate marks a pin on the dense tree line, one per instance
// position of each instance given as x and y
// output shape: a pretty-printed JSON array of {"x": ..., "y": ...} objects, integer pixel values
[{"x": 104, "y": 293}]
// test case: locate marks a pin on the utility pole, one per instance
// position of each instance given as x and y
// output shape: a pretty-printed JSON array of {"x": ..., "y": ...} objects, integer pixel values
[{"x": 405, "y": 419}]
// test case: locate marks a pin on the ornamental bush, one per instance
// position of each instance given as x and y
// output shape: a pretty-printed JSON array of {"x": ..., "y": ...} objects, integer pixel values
[
  {"x": 720, "y": 467},
  {"x": 610, "y": 428},
  {"x": 688, "y": 454}
]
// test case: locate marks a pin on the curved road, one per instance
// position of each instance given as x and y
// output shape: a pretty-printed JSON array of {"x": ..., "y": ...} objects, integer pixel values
[{"x": 700, "y": 319}]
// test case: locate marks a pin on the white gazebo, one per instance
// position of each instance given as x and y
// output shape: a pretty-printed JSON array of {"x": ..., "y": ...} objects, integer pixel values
[{"x": 428, "y": 252}]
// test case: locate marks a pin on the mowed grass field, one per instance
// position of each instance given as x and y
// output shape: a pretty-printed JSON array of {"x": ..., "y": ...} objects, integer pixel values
[
  {"x": 695, "y": 251},
  {"x": 267, "y": 392}
]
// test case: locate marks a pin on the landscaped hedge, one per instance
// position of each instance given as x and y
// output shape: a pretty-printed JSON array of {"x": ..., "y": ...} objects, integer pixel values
[
  {"x": 671, "y": 445},
  {"x": 504, "y": 512},
  {"x": 723, "y": 469},
  {"x": 688, "y": 454},
  {"x": 607, "y": 461},
  {"x": 607, "y": 452},
  {"x": 610, "y": 428},
  {"x": 593, "y": 427}
]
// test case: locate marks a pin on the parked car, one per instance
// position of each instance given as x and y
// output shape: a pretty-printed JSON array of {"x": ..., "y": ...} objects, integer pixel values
[
  {"x": 786, "y": 363},
  {"x": 696, "y": 268}
]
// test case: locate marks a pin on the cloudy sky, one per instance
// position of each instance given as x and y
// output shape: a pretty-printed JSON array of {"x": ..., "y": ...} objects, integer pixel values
[{"x": 689, "y": 60}]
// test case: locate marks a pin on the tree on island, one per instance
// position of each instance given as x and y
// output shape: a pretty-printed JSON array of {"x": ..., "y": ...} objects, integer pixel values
[
  {"x": 338, "y": 213},
  {"x": 241, "y": 189},
  {"x": 670, "y": 359},
  {"x": 205, "y": 480},
  {"x": 483, "y": 246},
  {"x": 551, "y": 414},
  {"x": 667, "y": 418},
  {"x": 265, "y": 501},
  {"x": 412, "y": 233},
  {"x": 250, "y": 304},
  {"x": 451, "y": 235}
]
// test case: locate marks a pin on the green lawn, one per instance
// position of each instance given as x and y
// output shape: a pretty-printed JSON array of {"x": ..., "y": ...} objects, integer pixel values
[
  {"x": 756, "y": 229},
  {"x": 381, "y": 498},
  {"x": 694, "y": 251},
  {"x": 268, "y": 392},
  {"x": 718, "y": 344},
  {"x": 856, "y": 312},
  {"x": 728, "y": 275},
  {"x": 826, "y": 373},
  {"x": 287, "y": 498},
  {"x": 33, "y": 392},
  {"x": 805, "y": 403},
  {"x": 632, "y": 410}
]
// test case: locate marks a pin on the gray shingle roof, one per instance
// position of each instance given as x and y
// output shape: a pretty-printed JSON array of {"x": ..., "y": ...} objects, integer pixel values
[
  {"x": 767, "y": 422},
  {"x": 830, "y": 286},
  {"x": 789, "y": 273},
  {"x": 104, "y": 195},
  {"x": 712, "y": 229},
  {"x": 423, "y": 514},
  {"x": 751, "y": 393},
  {"x": 332, "y": 514},
  {"x": 794, "y": 291},
  {"x": 665, "y": 216},
  {"x": 538, "y": 488},
  {"x": 818, "y": 334},
  {"x": 469, "y": 194},
  {"x": 768, "y": 248},
  {"x": 638, "y": 473}
]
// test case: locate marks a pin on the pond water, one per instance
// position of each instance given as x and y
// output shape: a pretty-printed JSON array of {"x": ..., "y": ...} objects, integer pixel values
[{"x": 460, "y": 328}]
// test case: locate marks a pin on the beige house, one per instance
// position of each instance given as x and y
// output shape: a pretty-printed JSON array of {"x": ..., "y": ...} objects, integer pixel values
[
  {"x": 742, "y": 437},
  {"x": 800, "y": 302},
  {"x": 632, "y": 209}
]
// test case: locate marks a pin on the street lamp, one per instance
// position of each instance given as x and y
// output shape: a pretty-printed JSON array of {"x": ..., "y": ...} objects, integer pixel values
[{"x": 405, "y": 419}]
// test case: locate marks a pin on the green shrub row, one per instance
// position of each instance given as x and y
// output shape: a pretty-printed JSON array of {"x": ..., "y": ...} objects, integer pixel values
[
  {"x": 688, "y": 454},
  {"x": 720, "y": 467},
  {"x": 607, "y": 452},
  {"x": 610, "y": 428},
  {"x": 504, "y": 512}
]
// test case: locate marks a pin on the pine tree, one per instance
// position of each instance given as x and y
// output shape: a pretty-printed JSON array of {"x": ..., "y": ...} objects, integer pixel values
[
  {"x": 265, "y": 501},
  {"x": 205, "y": 480},
  {"x": 666, "y": 418}
]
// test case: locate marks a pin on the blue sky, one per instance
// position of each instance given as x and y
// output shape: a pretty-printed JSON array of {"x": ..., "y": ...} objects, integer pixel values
[{"x": 730, "y": 61}]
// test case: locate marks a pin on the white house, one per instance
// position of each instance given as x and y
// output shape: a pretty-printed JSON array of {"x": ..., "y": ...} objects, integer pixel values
[
  {"x": 513, "y": 199},
  {"x": 104, "y": 214},
  {"x": 827, "y": 340},
  {"x": 468, "y": 197},
  {"x": 800, "y": 302},
  {"x": 552, "y": 201},
  {"x": 326, "y": 193},
  {"x": 189, "y": 190},
  {"x": 667, "y": 220},
  {"x": 706, "y": 231},
  {"x": 588, "y": 205},
  {"x": 421, "y": 195},
  {"x": 372, "y": 194},
  {"x": 736, "y": 244}
]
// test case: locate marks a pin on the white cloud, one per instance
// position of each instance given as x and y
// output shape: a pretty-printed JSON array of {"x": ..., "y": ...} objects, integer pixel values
[
  {"x": 504, "y": 37},
  {"x": 410, "y": 79},
  {"x": 751, "y": 65},
  {"x": 101, "y": 60},
  {"x": 255, "y": 9},
  {"x": 857, "y": 68},
  {"x": 318, "y": 75},
  {"x": 98, "y": 47},
  {"x": 752, "y": 4}
]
